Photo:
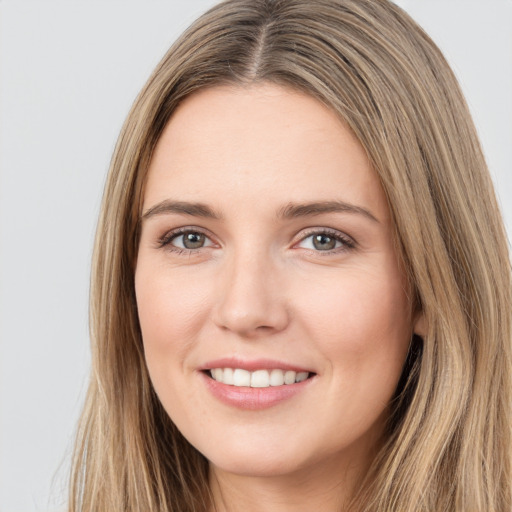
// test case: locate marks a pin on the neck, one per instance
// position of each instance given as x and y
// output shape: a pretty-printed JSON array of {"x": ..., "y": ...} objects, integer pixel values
[{"x": 321, "y": 487}]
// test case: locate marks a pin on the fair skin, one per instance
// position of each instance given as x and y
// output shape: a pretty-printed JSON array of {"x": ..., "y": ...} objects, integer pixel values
[{"x": 236, "y": 269}]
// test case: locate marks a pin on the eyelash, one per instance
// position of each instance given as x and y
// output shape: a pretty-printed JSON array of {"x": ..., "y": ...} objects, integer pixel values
[
  {"x": 347, "y": 242},
  {"x": 165, "y": 240}
]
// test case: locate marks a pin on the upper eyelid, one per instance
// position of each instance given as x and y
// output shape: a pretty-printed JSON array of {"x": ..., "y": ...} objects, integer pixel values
[
  {"x": 169, "y": 235},
  {"x": 318, "y": 230},
  {"x": 298, "y": 237}
]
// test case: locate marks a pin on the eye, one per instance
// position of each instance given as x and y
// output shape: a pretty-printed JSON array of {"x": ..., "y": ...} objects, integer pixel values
[
  {"x": 187, "y": 240},
  {"x": 326, "y": 241}
]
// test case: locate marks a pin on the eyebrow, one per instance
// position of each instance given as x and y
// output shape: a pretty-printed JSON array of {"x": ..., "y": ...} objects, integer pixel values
[
  {"x": 181, "y": 207},
  {"x": 296, "y": 210},
  {"x": 290, "y": 211}
]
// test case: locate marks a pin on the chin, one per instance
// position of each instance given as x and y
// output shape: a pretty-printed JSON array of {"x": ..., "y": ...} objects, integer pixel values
[
  {"x": 281, "y": 459},
  {"x": 245, "y": 458},
  {"x": 256, "y": 467}
]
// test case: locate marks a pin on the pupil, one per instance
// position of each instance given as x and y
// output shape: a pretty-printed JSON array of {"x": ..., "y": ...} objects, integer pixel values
[
  {"x": 324, "y": 242},
  {"x": 193, "y": 240}
]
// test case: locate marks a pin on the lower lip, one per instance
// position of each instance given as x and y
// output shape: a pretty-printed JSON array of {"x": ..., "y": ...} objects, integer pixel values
[{"x": 253, "y": 399}]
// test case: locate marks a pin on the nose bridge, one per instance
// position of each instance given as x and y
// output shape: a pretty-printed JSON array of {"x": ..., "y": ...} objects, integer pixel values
[{"x": 250, "y": 298}]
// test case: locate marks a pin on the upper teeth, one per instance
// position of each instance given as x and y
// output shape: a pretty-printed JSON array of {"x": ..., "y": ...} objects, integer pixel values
[{"x": 257, "y": 379}]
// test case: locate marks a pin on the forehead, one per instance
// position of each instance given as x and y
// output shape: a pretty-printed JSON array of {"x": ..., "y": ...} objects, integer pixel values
[{"x": 229, "y": 144}]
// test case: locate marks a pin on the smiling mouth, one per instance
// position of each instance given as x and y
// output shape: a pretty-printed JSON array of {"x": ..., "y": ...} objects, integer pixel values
[{"x": 239, "y": 377}]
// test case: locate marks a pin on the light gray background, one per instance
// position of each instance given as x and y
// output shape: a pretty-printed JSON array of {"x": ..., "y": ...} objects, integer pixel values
[{"x": 69, "y": 71}]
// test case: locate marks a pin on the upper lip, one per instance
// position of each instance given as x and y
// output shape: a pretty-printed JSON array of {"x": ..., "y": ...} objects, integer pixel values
[{"x": 253, "y": 364}]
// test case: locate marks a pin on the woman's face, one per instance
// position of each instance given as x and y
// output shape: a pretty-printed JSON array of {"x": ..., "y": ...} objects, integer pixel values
[{"x": 267, "y": 257}]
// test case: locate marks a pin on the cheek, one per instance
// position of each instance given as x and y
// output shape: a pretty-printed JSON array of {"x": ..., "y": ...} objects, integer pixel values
[
  {"x": 360, "y": 321},
  {"x": 168, "y": 305},
  {"x": 361, "y": 326},
  {"x": 171, "y": 312}
]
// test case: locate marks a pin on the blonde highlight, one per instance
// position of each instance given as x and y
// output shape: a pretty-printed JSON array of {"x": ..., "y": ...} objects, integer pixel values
[{"x": 372, "y": 65}]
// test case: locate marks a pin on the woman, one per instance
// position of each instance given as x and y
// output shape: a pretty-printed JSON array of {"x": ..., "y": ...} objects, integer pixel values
[{"x": 301, "y": 283}]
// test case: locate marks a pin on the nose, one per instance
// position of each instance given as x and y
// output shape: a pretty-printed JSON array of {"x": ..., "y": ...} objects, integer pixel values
[{"x": 251, "y": 298}]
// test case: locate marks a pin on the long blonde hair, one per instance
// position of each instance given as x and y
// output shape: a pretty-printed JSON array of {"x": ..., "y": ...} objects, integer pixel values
[{"x": 449, "y": 438}]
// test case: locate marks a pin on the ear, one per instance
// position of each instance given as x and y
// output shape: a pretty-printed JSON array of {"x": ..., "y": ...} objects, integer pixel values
[{"x": 420, "y": 324}]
